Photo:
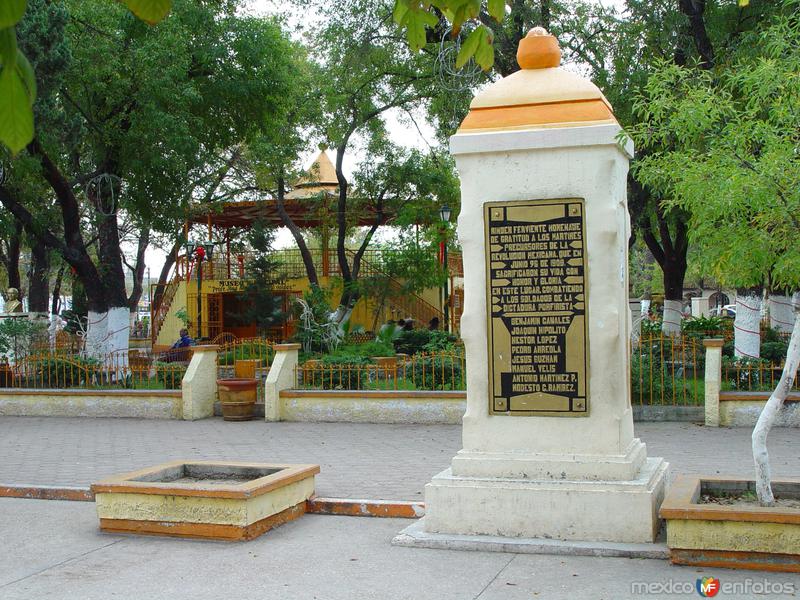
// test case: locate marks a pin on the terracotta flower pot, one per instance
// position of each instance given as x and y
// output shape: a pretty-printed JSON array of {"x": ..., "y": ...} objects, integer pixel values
[{"x": 238, "y": 398}]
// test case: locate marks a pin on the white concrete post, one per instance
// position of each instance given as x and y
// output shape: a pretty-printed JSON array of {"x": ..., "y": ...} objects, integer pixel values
[
  {"x": 713, "y": 380},
  {"x": 281, "y": 376},
  {"x": 199, "y": 385}
]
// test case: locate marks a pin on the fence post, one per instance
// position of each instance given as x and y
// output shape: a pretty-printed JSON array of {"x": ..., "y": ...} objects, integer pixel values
[
  {"x": 713, "y": 380},
  {"x": 281, "y": 376},
  {"x": 199, "y": 385}
]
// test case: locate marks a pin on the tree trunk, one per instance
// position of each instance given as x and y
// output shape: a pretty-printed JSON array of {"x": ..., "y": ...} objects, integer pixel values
[
  {"x": 781, "y": 317},
  {"x": 55, "y": 306},
  {"x": 138, "y": 275},
  {"x": 39, "y": 284},
  {"x": 305, "y": 254},
  {"x": 770, "y": 413},
  {"x": 112, "y": 280},
  {"x": 11, "y": 258},
  {"x": 747, "y": 325}
]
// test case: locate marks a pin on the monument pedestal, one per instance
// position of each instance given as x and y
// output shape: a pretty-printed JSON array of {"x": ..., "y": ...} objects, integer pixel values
[
  {"x": 596, "y": 510},
  {"x": 549, "y": 451}
]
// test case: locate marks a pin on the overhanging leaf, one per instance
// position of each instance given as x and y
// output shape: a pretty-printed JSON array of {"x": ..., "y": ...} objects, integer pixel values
[
  {"x": 400, "y": 10},
  {"x": 469, "y": 47},
  {"x": 27, "y": 76},
  {"x": 484, "y": 55},
  {"x": 11, "y": 12},
  {"x": 8, "y": 47},
  {"x": 16, "y": 112},
  {"x": 497, "y": 9},
  {"x": 150, "y": 11}
]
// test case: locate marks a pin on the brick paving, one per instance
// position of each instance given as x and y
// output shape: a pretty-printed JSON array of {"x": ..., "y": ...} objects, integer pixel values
[{"x": 389, "y": 462}]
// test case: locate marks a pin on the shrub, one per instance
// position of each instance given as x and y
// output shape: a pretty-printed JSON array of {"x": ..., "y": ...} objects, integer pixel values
[
  {"x": 169, "y": 375},
  {"x": 440, "y": 340},
  {"x": 438, "y": 373},
  {"x": 336, "y": 373},
  {"x": 247, "y": 351},
  {"x": 746, "y": 374},
  {"x": 58, "y": 372},
  {"x": 702, "y": 326},
  {"x": 774, "y": 352},
  {"x": 413, "y": 341},
  {"x": 651, "y": 381}
]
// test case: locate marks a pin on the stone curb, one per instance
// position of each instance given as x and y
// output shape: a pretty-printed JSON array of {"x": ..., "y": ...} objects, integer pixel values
[
  {"x": 46, "y": 492},
  {"x": 366, "y": 508},
  {"x": 320, "y": 506}
]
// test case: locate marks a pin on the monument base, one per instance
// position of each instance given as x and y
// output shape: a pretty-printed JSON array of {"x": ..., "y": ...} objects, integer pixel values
[
  {"x": 596, "y": 511},
  {"x": 415, "y": 536}
]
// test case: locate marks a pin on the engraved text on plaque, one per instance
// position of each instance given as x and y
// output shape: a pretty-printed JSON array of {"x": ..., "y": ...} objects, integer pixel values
[{"x": 536, "y": 301}]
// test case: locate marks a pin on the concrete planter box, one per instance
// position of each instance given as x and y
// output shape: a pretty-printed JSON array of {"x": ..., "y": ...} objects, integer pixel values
[
  {"x": 204, "y": 499},
  {"x": 731, "y": 536}
]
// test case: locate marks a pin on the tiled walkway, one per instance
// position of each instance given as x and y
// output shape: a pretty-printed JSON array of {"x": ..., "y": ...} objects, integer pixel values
[{"x": 390, "y": 462}]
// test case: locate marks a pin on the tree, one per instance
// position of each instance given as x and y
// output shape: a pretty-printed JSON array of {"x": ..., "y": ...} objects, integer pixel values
[
  {"x": 261, "y": 305},
  {"x": 17, "y": 79},
  {"x": 152, "y": 106},
  {"x": 732, "y": 164}
]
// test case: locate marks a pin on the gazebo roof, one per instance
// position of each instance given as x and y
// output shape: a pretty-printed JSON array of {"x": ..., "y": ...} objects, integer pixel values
[{"x": 318, "y": 181}]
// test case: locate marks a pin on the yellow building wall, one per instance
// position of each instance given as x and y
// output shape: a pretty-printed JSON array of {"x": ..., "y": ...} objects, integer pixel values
[
  {"x": 170, "y": 329},
  {"x": 186, "y": 297}
]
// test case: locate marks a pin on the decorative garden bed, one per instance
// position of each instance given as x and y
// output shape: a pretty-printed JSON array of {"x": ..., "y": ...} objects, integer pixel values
[
  {"x": 204, "y": 499},
  {"x": 716, "y": 522}
]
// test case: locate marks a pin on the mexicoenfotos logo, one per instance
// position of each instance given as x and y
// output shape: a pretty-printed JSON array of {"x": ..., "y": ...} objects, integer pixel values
[{"x": 708, "y": 587}]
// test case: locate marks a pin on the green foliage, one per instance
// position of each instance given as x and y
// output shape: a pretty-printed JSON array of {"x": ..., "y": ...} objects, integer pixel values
[
  {"x": 183, "y": 316},
  {"x": 260, "y": 350},
  {"x": 650, "y": 327},
  {"x": 747, "y": 374},
  {"x": 17, "y": 79},
  {"x": 441, "y": 372},
  {"x": 709, "y": 325},
  {"x": 56, "y": 372},
  {"x": 416, "y": 17},
  {"x": 169, "y": 375},
  {"x": 731, "y": 158},
  {"x": 150, "y": 11},
  {"x": 440, "y": 341},
  {"x": 261, "y": 305},
  {"x": 336, "y": 372},
  {"x": 774, "y": 352},
  {"x": 314, "y": 330},
  {"x": 412, "y": 342},
  {"x": 651, "y": 380},
  {"x": 18, "y": 335}
]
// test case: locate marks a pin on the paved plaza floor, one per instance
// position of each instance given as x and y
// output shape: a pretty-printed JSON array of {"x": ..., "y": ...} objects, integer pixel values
[
  {"x": 53, "y": 549},
  {"x": 387, "y": 462}
]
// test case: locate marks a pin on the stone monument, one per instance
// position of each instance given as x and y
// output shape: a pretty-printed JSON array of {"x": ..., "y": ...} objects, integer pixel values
[{"x": 548, "y": 444}]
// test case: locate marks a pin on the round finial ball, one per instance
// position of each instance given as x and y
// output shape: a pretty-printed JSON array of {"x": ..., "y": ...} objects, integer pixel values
[
  {"x": 537, "y": 31},
  {"x": 538, "y": 50}
]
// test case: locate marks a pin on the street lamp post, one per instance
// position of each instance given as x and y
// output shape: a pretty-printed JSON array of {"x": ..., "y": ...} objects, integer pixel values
[
  {"x": 201, "y": 251},
  {"x": 444, "y": 214}
]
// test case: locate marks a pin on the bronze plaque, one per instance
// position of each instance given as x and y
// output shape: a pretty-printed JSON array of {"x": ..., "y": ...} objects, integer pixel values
[{"x": 536, "y": 303}]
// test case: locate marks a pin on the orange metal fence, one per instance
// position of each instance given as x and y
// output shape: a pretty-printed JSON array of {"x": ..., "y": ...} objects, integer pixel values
[
  {"x": 668, "y": 370},
  {"x": 429, "y": 371},
  {"x": 58, "y": 370}
]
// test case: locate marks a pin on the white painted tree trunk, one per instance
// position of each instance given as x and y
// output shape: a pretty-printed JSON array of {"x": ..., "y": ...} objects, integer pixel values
[
  {"x": 671, "y": 323},
  {"x": 771, "y": 410},
  {"x": 118, "y": 335},
  {"x": 645, "y": 308},
  {"x": 96, "y": 333},
  {"x": 781, "y": 316},
  {"x": 746, "y": 327}
]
